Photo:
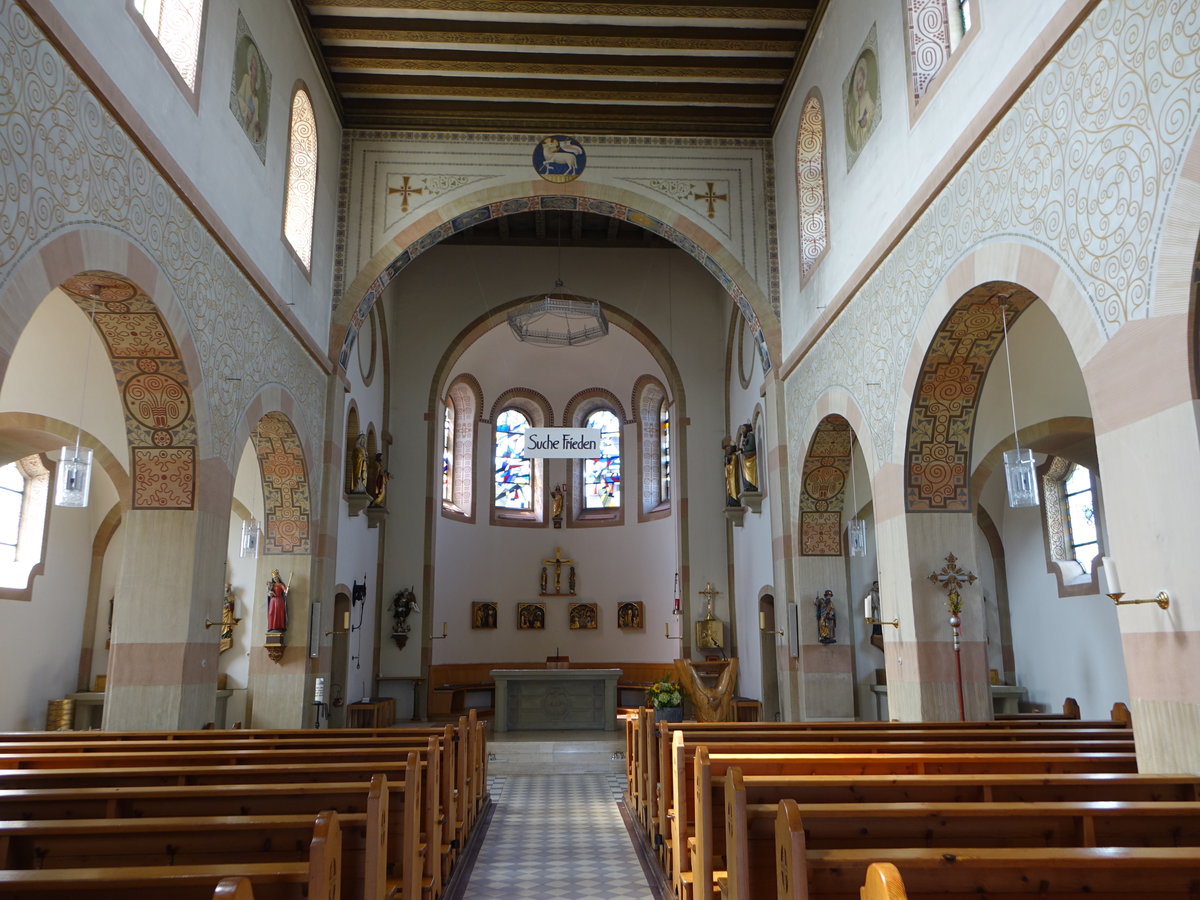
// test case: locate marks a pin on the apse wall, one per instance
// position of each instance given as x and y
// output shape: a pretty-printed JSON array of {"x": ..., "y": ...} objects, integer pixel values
[{"x": 679, "y": 308}]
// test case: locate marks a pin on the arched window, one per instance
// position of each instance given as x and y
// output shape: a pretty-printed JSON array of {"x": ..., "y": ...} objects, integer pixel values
[
  {"x": 936, "y": 29},
  {"x": 1072, "y": 526},
  {"x": 24, "y": 504},
  {"x": 448, "y": 452},
  {"x": 810, "y": 184},
  {"x": 514, "y": 473},
  {"x": 602, "y": 475},
  {"x": 301, "y": 194},
  {"x": 664, "y": 452},
  {"x": 176, "y": 27},
  {"x": 460, "y": 414}
]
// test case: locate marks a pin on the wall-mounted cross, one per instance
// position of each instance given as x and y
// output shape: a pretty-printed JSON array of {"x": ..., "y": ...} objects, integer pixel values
[
  {"x": 711, "y": 199},
  {"x": 405, "y": 191}
]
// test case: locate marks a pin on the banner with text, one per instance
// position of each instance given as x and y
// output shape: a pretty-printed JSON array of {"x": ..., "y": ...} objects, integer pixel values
[{"x": 562, "y": 443}]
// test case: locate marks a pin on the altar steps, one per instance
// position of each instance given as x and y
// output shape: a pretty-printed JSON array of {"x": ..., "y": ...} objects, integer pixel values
[{"x": 556, "y": 753}]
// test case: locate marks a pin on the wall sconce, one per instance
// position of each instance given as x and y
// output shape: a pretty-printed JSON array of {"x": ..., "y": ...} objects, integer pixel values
[
  {"x": 442, "y": 636},
  {"x": 895, "y": 623},
  {"x": 762, "y": 624},
  {"x": 667, "y": 633},
  {"x": 1112, "y": 587},
  {"x": 345, "y": 625},
  {"x": 1020, "y": 471}
]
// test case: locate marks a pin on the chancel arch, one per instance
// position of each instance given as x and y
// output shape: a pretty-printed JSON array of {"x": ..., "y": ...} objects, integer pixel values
[{"x": 368, "y": 286}]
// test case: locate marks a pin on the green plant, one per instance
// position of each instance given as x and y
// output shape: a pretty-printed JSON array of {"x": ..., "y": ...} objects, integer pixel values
[{"x": 664, "y": 693}]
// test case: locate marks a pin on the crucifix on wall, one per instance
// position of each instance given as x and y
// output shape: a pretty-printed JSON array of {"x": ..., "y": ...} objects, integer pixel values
[{"x": 557, "y": 562}]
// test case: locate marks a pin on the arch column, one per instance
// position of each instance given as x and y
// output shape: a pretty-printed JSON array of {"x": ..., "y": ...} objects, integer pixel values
[
  {"x": 922, "y": 672},
  {"x": 1149, "y": 454},
  {"x": 162, "y": 665}
]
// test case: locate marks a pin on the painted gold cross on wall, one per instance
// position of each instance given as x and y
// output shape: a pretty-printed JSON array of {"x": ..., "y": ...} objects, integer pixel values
[
  {"x": 711, "y": 199},
  {"x": 405, "y": 191}
]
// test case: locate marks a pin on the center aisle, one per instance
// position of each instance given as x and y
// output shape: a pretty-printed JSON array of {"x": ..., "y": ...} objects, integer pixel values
[{"x": 557, "y": 837}]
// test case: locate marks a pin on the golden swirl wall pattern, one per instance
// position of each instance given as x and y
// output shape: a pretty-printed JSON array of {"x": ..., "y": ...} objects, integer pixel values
[{"x": 153, "y": 385}]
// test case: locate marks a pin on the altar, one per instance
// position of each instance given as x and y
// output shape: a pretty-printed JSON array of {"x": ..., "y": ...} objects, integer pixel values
[{"x": 556, "y": 699}]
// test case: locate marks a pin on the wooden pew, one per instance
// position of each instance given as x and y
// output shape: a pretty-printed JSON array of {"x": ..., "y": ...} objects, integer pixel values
[
  {"x": 368, "y": 808},
  {"x": 319, "y": 875},
  {"x": 696, "y": 772},
  {"x": 749, "y": 834},
  {"x": 399, "y": 774},
  {"x": 959, "y": 872},
  {"x": 882, "y": 882},
  {"x": 650, "y": 767},
  {"x": 234, "y": 889}
]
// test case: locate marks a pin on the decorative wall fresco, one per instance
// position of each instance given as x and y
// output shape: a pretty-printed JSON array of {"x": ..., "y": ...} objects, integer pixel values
[
  {"x": 822, "y": 483},
  {"x": 1094, "y": 144},
  {"x": 942, "y": 421},
  {"x": 79, "y": 169},
  {"x": 287, "y": 515},
  {"x": 159, "y": 416}
]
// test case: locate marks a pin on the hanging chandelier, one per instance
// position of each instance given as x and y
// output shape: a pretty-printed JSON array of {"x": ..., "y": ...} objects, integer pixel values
[{"x": 559, "y": 320}]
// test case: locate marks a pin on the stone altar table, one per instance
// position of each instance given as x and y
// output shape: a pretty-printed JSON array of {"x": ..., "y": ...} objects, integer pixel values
[{"x": 552, "y": 699}]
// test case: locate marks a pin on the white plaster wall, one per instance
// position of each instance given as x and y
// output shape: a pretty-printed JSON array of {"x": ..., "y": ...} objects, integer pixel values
[
  {"x": 1046, "y": 379},
  {"x": 1063, "y": 646},
  {"x": 45, "y": 375},
  {"x": 249, "y": 596},
  {"x": 751, "y": 543},
  {"x": 208, "y": 145},
  {"x": 865, "y": 200}
]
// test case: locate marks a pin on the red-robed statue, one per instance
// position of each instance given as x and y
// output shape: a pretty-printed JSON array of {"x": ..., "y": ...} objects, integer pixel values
[{"x": 276, "y": 603}]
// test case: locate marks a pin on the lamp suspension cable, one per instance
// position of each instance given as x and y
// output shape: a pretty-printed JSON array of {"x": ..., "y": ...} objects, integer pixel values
[
  {"x": 1020, "y": 471},
  {"x": 75, "y": 470},
  {"x": 1012, "y": 398}
]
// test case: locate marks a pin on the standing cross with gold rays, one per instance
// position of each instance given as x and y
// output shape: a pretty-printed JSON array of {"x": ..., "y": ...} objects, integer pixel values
[{"x": 951, "y": 577}]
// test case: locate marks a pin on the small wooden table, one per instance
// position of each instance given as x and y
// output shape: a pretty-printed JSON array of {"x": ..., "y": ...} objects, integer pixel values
[{"x": 377, "y": 712}]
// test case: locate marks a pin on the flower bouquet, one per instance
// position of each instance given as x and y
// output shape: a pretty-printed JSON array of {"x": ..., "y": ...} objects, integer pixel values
[{"x": 663, "y": 694}]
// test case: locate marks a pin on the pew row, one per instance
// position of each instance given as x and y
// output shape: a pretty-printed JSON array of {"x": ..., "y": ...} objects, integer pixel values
[
  {"x": 958, "y": 873},
  {"x": 245, "y": 780},
  {"x": 384, "y": 834},
  {"x": 748, "y": 849},
  {"x": 317, "y": 875}
]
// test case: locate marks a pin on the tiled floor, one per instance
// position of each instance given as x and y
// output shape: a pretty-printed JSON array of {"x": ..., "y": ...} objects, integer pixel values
[{"x": 557, "y": 837}]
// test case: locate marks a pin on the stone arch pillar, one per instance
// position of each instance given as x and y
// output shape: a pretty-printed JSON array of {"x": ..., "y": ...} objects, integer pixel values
[{"x": 279, "y": 670}]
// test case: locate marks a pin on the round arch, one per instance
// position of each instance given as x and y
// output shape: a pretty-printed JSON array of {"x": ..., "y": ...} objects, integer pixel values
[{"x": 407, "y": 243}]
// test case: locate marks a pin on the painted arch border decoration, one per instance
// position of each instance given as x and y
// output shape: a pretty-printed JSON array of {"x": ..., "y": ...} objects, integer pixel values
[
  {"x": 152, "y": 380},
  {"x": 533, "y": 203}
]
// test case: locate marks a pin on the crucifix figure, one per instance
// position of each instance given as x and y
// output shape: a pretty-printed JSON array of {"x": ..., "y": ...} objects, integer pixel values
[
  {"x": 558, "y": 562},
  {"x": 709, "y": 594}
]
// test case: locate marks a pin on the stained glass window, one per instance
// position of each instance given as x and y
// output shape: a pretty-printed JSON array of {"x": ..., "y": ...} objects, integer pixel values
[
  {"x": 514, "y": 473},
  {"x": 664, "y": 456},
  {"x": 176, "y": 25},
  {"x": 602, "y": 475},
  {"x": 810, "y": 183},
  {"x": 448, "y": 453},
  {"x": 1079, "y": 501},
  {"x": 300, "y": 199},
  {"x": 935, "y": 29}
]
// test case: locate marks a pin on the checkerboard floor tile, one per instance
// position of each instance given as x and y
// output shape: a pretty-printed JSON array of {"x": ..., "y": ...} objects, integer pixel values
[{"x": 557, "y": 837}]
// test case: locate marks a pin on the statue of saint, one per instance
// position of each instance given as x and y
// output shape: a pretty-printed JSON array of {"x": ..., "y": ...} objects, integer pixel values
[
  {"x": 277, "y": 614},
  {"x": 732, "y": 478},
  {"x": 358, "y": 465},
  {"x": 228, "y": 620},
  {"x": 747, "y": 452},
  {"x": 826, "y": 619},
  {"x": 379, "y": 478}
]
